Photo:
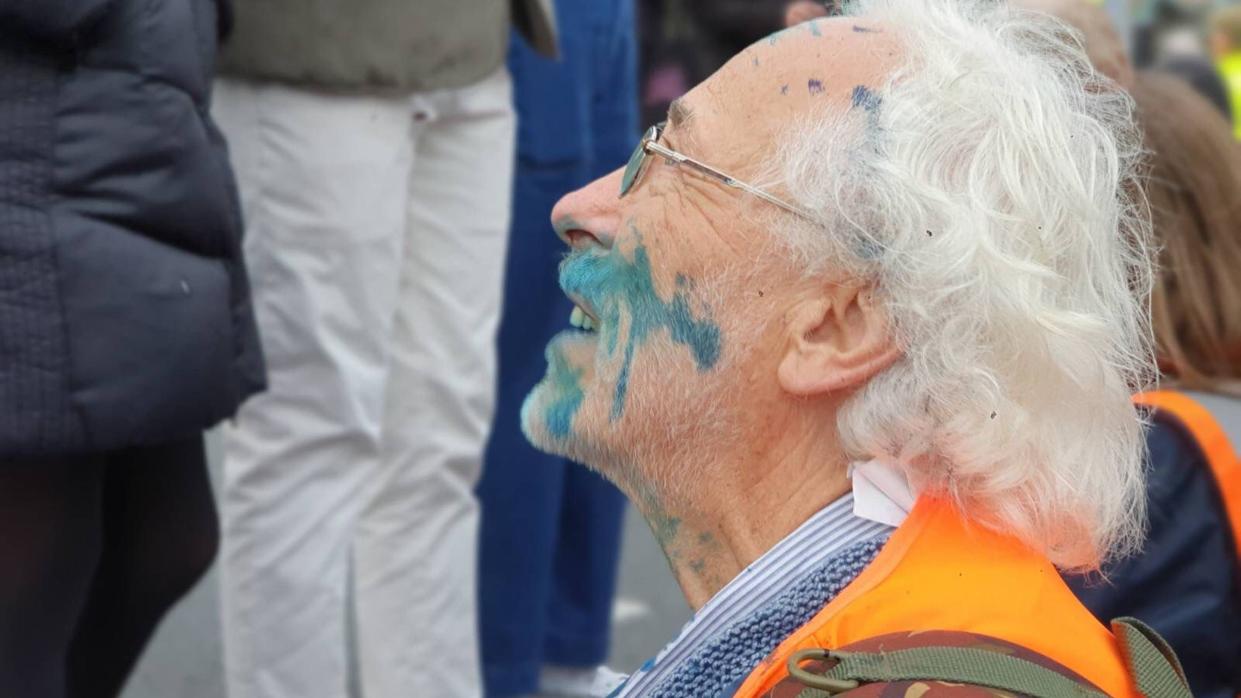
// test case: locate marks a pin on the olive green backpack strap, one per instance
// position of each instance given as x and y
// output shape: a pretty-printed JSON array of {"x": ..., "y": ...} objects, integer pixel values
[
  {"x": 1151, "y": 661},
  {"x": 960, "y": 665}
]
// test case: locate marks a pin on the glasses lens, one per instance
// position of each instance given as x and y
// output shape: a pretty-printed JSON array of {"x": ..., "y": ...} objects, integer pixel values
[{"x": 637, "y": 161}]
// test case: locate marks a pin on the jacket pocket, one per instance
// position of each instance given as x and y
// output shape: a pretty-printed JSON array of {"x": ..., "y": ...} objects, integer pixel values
[{"x": 150, "y": 334}]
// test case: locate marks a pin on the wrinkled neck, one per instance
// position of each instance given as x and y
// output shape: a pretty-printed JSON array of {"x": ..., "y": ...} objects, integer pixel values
[{"x": 742, "y": 506}]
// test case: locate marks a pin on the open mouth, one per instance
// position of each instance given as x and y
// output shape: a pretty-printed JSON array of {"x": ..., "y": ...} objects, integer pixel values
[{"x": 583, "y": 320}]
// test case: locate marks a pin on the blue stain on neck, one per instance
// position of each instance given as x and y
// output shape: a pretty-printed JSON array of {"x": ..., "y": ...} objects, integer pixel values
[{"x": 608, "y": 282}]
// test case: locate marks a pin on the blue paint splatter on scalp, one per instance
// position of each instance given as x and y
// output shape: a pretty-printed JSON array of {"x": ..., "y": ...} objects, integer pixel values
[
  {"x": 815, "y": 87},
  {"x": 607, "y": 282},
  {"x": 784, "y": 89},
  {"x": 813, "y": 26},
  {"x": 866, "y": 30},
  {"x": 865, "y": 98},
  {"x": 774, "y": 37}
]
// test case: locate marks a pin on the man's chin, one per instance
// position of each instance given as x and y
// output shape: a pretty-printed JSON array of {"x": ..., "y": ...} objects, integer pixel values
[
  {"x": 547, "y": 421},
  {"x": 546, "y": 428}
]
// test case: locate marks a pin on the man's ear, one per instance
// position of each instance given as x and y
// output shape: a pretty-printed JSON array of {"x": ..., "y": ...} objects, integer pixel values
[{"x": 837, "y": 340}]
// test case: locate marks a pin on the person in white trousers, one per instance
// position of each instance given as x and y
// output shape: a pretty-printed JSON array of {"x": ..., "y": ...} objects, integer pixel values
[{"x": 376, "y": 222}]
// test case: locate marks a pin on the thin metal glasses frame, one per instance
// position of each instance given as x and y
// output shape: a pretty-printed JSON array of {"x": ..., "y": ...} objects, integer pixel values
[{"x": 649, "y": 146}]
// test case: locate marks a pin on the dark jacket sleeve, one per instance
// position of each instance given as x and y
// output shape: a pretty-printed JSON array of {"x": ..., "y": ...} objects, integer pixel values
[
  {"x": 51, "y": 20},
  {"x": 1184, "y": 584}
]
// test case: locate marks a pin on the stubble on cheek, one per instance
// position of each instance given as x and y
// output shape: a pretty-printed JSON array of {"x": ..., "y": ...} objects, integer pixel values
[{"x": 638, "y": 405}]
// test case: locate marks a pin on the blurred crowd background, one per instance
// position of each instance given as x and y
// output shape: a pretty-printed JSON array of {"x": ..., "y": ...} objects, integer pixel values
[{"x": 379, "y": 289}]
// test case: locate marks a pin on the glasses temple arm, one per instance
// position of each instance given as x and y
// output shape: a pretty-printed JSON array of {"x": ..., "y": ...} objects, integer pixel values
[{"x": 727, "y": 179}]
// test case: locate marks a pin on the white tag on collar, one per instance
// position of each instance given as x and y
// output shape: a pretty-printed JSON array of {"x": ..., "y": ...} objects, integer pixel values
[{"x": 881, "y": 492}]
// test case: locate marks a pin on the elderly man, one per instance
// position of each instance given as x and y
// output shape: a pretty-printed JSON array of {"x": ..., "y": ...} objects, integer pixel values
[{"x": 856, "y": 332}]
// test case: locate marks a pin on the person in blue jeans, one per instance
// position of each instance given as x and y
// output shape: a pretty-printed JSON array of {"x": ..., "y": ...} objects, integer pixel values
[{"x": 550, "y": 537}]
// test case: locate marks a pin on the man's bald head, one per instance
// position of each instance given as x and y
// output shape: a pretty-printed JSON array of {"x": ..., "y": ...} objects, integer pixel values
[{"x": 805, "y": 71}]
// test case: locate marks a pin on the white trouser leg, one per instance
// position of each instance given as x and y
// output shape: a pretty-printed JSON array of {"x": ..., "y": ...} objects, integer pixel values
[
  {"x": 414, "y": 554},
  {"x": 324, "y": 182}
]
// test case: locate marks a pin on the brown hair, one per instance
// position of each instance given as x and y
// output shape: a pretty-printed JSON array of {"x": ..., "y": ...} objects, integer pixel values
[
  {"x": 1227, "y": 21},
  {"x": 1194, "y": 187}
]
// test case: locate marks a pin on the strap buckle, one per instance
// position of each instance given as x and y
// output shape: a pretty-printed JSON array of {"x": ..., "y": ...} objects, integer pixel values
[{"x": 832, "y": 686}]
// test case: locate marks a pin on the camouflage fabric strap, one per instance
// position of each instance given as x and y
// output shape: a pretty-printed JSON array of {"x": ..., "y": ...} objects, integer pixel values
[
  {"x": 962, "y": 665},
  {"x": 1151, "y": 662}
]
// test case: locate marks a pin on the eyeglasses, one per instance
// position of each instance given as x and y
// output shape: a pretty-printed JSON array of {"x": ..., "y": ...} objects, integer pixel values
[{"x": 649, "y": 146}]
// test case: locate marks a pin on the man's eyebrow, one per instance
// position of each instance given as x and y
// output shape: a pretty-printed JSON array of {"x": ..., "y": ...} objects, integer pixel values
[{"x": 679, "y": 113}]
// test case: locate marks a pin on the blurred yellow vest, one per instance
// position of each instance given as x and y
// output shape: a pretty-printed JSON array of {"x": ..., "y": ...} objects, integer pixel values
[{"x": 1230, "y": 71}]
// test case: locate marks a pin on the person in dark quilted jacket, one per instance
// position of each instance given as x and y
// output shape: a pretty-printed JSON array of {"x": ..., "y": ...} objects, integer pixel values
[{"x": 125, "y": 329}]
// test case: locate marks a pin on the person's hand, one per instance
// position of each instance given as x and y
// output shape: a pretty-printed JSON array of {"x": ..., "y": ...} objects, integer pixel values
[{"x": 802, "y": 10}]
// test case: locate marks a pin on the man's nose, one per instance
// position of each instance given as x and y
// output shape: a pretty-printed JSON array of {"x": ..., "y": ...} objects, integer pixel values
[{"x": 590, "y": 215}]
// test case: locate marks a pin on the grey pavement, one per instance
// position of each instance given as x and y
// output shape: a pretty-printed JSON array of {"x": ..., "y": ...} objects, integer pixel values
[{"x": 184, "y": 659}]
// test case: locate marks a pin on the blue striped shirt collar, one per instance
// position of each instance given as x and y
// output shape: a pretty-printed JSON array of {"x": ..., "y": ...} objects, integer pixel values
[{"x": 830, "y": 530}]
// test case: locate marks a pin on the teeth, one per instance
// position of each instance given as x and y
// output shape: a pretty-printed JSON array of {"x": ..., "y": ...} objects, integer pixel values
[{"x": 579, "y": 319}]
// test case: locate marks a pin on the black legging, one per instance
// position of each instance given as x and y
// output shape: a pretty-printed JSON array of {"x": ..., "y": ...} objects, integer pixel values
[{"x": 93, "y": 551}]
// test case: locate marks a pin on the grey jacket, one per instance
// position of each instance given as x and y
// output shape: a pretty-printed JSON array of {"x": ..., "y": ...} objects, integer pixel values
[{"x": 349, "y": 45}]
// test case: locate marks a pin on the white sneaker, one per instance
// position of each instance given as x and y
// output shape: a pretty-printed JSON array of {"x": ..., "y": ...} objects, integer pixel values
[{"x": 578, "y": 682}]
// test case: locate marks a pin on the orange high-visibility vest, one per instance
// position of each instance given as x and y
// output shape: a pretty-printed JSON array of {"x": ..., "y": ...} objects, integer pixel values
[
  {"x": 1212, "y": 438},
  {"x": 939, "y": 572}
]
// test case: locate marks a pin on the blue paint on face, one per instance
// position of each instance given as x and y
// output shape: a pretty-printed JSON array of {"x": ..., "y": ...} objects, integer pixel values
[
  {"x": 608, "y": 282},
  {"x": 813, "y": 26},
  {"x": 815, "y": 87},
  {"x": 784, "y": 89},
  {"x": 564, "y": 381},
  {"x": 866, "y": 30},
  {"x": 564, "y": 224}
]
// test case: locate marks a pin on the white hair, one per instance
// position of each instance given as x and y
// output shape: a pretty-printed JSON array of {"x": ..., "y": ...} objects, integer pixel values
[{"x": 989, "y": 193}]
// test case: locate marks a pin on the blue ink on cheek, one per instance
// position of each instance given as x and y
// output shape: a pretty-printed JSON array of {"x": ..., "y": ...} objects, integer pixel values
[
  {"x": 814, "y": 86},
  {"x": 702, "y": 338},
  {"x": 622, "y": 383},
  {"x": 608, "y": 282}
]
